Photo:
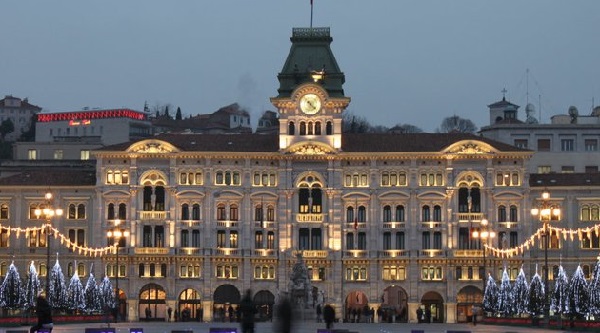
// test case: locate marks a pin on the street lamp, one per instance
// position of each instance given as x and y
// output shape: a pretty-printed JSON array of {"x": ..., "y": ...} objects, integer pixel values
[
  {"x": 116, "y": 234},
  {"x": 48, "y": 212},
  {"x": 546, "y": 212},
  {"x": 484, "y": 234}
]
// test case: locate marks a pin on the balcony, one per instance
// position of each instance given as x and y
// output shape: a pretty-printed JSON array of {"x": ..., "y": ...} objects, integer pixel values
[
  {"x": 191, "y": 223},
  {"x": 189, "y": 251},
  {"x": 264, "y": 253},
  {"x": 356, "y": 254},
  {"x": 394, "y": 225},
  {"x": 469, "y": 217},
  {"x": 310, "y": 218},
  {"x": 153, "y": 215},
  {"x": 227, "y": 224},
  {"x": 264, "y": 224},
  {"x": 431, "y": 253},
  {"x": 393, "y": 253},
  {"x": 431, "y": 225},
  {"x": 359, "y": 225},
  {"x": 151, "y": 250},
  {"x": 311, "y": 253},
  {"x": 228, "y": 252},
  {"x": 468, "y": 253}
]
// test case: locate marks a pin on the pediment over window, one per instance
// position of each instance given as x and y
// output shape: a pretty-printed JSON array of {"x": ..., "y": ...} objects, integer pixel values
[
  {"x": 470, "y": 147},
  {"x": 152, "y": 147}
]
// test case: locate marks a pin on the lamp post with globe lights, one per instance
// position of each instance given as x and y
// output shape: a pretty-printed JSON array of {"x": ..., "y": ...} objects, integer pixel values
[
  {"x": 116, "y": 234},
  {"x": 484, "y": 234},
  {"x": 47, "y": 212},
  {"x": 546, "y": 212}
]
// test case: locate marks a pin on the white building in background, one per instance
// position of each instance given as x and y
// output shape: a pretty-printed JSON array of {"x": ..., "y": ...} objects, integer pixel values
[
  {"x": 569, "y": 144},
  {"x": 20, "y": 112}
]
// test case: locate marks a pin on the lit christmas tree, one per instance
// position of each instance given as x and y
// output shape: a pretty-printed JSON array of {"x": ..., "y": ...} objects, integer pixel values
[
  {"x": 537, "y": 296},
  {"x": 57, "y": 294},
  {"x": 490, "y": 297},
  {"x": 32, "y": 288},
  {"x": 92, "y": 294},
  {"x": 107, "y": 294},
  {"x": 560, "y": 295},
  {"x": 505, "y": 301},
  {"x": 594, "y": 291},
  {"x": 578, "y": 294},
  {"x": 520, "y": 294},
  {"x": 10, "y": 289},
  {"x": 75, "y": 299}
]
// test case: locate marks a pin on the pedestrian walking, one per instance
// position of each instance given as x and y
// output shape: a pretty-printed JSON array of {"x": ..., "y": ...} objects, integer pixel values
[
  {"x": 328, "y": 316},
  {"x": 247, "y": 312}
]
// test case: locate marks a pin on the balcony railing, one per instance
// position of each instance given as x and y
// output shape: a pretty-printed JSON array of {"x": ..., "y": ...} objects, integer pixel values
[
  {"x": 189, "y": 251},
  {"x": 310, "y": 218},
  {"x": 191, "y": 223},
  {"x": 431, "y": 253},
  {"x": 359, "y": 225},
  {"x": 227, "y": 224},
  {"x": 311, "y": 253},
  {"x": 228, "y": 252},
  {"x": 356, "y": 253},
  {"x": 264, "y": 252},
  {"x": 151, "y": 250},
  {"x": 431, "y": 225},
  {"x": 469, "y": 217},
  {"x": 393, "y": 253},
  {"x": 153, "y": 215},
  {"x": 394, "y": 225},
  {"x": 468, "y": 253},
  {"x": 264, "y": 224}
]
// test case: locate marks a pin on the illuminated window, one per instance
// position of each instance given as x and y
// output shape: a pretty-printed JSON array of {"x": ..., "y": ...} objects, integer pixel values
[
  {"x": 431, "y": 273},
  {"x": 431, "y": 179},
  {"x": 117, "y": 177},
  {"x": 590, "y": 212},
  {"x": 227, "y": 178},
  {"x": 356, "y": 273},
  {"x": 226, "y": 272},
  {"x": 357, "y": 179},
  {"x": 189, "y": 271},
  {"x": 264, "y": 179},
  {"x": 394, "y": 273},
  {"x": 32, "y": 154},
  {"x": 393, "y": 178},
  {"x": 4, "y": 211},
  {"x": 190, "y": 178},
  {"x": 264, "y": 272},
  {"x": 84, "y": 155},
  {"x": 76, "y": 211},
  {"x": 507, "y": 178}
]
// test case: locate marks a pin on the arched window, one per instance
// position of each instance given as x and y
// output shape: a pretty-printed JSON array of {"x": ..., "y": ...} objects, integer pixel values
[
  {"x": 350, "y": 214},
  {"x": 111, "y": 211},
  {"x": 329, "y": 128},
  {"x": 221, "y": 216},
  {"x": 291, "y": 128},
  {"x": 501, "y": 213},
  {"x": 302, "y": 128},
  {"x": 122, "y": 211},
  {"x": 270, "y": 213},
  {"x": 513, "y": 213},
  {"x": 310, "y": 128},
  {"x": 233, "y": 213},
  {"x": 196, "y": 212},
  {"x": 362, "y": 214},
  {"x": 387, "y": 213},
  {"x": 185, "y": 211},
  {"x": 318, "y": 128},
  {"x": 437, "y": 213},
  {"x": 425, "y": 214},
  {"x": 400, "y": 213}
]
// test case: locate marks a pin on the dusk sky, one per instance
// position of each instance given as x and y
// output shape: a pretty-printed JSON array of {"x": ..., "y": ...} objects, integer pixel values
[{"x": 412, "y": 62}]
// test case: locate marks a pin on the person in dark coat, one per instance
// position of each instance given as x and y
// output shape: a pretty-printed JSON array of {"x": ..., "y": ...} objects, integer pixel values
[
  {"x": 284, "y": 316},
  {"x": 247, "y": 311},
  {"x": 328, "y": 315},
  {"x": 420, "y": 317},
  {"x": 44, "y": 315}
]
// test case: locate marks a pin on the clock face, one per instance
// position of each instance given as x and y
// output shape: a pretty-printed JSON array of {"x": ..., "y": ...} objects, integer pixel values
[{"x": 310, "y": 104}]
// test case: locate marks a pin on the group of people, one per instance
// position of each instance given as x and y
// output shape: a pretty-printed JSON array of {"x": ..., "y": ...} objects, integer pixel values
[{"x": 424, "y": 316}]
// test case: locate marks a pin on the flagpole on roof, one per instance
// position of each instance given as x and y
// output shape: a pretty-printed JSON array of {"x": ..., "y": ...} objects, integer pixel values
[{"x": 311, "y": 13}]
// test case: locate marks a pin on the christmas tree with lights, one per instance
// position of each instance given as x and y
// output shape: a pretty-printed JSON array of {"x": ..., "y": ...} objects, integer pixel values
[
  {"x": 11, "y": 289},
  {"x": 537, "y": 296},
  {"x": 520, "y": 294},
  {"x": 578, "y": 294},
  {"x": 560, "y": 295},
  {"x": 490, "y": 297},
  {"x": 57, "y": 292},
  {"x": 92, "y": 295},
  {"x": 75, "y": 298},
  {"x": 594, "y": 291},
  {"x": 32, "y": 288},
  {"x": 107, "y": 294},
  {"x": 505, "y": 301}
]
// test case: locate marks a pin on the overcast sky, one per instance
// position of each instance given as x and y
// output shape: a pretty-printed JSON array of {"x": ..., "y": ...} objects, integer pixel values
[{"x": 409, "y": 62}]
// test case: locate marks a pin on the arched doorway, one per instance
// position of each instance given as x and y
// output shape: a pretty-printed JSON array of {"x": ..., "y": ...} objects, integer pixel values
[
  {"x": 433, "y": 307},
  {"x": 190, "y": 305},
  {"x": 264, "y": 301},
  {"x": 152, "y": 305},
  {"x": 465, "y": 299},
  {"x": 356, "y": 307},
  {"x": 394, "y": 305},
  {"x": 226, "y": 300}
]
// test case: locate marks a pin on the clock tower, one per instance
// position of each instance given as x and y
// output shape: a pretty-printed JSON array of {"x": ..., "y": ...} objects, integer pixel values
[{"x": 311, "y": 98}]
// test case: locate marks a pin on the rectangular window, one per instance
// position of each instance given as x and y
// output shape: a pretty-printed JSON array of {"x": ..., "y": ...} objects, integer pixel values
[
  {"x": 567, "y": 169},
  {"x": 521, "y": 143},
  {"x": 591, "y": 168},
  {"x": 544, "y": 169},
  {"x": 567, "y": 145},
  {"x": 32, "y": 154},
  {"x": 591, "y": 145},
  {"x": 58, "y": 154},
  {"x": 543, "y": 145},
  {"x": 85, "y": 155}
]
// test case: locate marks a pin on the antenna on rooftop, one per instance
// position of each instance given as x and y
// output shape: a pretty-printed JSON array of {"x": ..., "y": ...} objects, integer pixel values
[
  {"x": 311, "y": 13},
  {"x": 527, "y": 86}
]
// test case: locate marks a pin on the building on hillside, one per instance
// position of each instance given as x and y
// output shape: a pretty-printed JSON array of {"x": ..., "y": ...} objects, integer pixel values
[
  {"x": 268, "y": 123},
  {"x": 73, "y": 135},
  {"x": 228, "y": 119},
  {"x": 568, "y": 144},
  {"x": 20, "y": 112},
  {"x": 383, "y": 221}
]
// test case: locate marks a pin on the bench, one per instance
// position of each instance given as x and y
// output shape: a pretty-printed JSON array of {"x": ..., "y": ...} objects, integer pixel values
[
  {"x": 222, "y": 330},
  {"x": 100, "y": 330}
]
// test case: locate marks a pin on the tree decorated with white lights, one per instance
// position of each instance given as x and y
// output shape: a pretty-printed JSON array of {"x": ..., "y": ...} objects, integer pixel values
[
  {"x": 560, "y": 295},
  {"x": 32, "y": 288},
  {"x": 594, "y": 290},
  {"x": 505, "y": 301},
  {"x": 107, "y": 294},
  {"x": 537, "y": 296},
  {"x": 10, "y": 289},
  {"x": 75, "y": 298},
  {"x": 57, "y": 292},
  {"x": 92, "y": 295},
  {"x": 578, "y": 294},
  {"x": 520, "y": 294},
  {"x": 490, "y": 297}
]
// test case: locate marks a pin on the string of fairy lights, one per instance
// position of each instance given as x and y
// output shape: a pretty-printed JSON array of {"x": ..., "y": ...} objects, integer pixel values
[
  {"x": 580, "y": 233},
  {"x": 64, "y": 240}
]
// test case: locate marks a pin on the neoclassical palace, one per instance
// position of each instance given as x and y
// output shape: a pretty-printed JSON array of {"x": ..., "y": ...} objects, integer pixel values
[{"x": 379, "y": 220}]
